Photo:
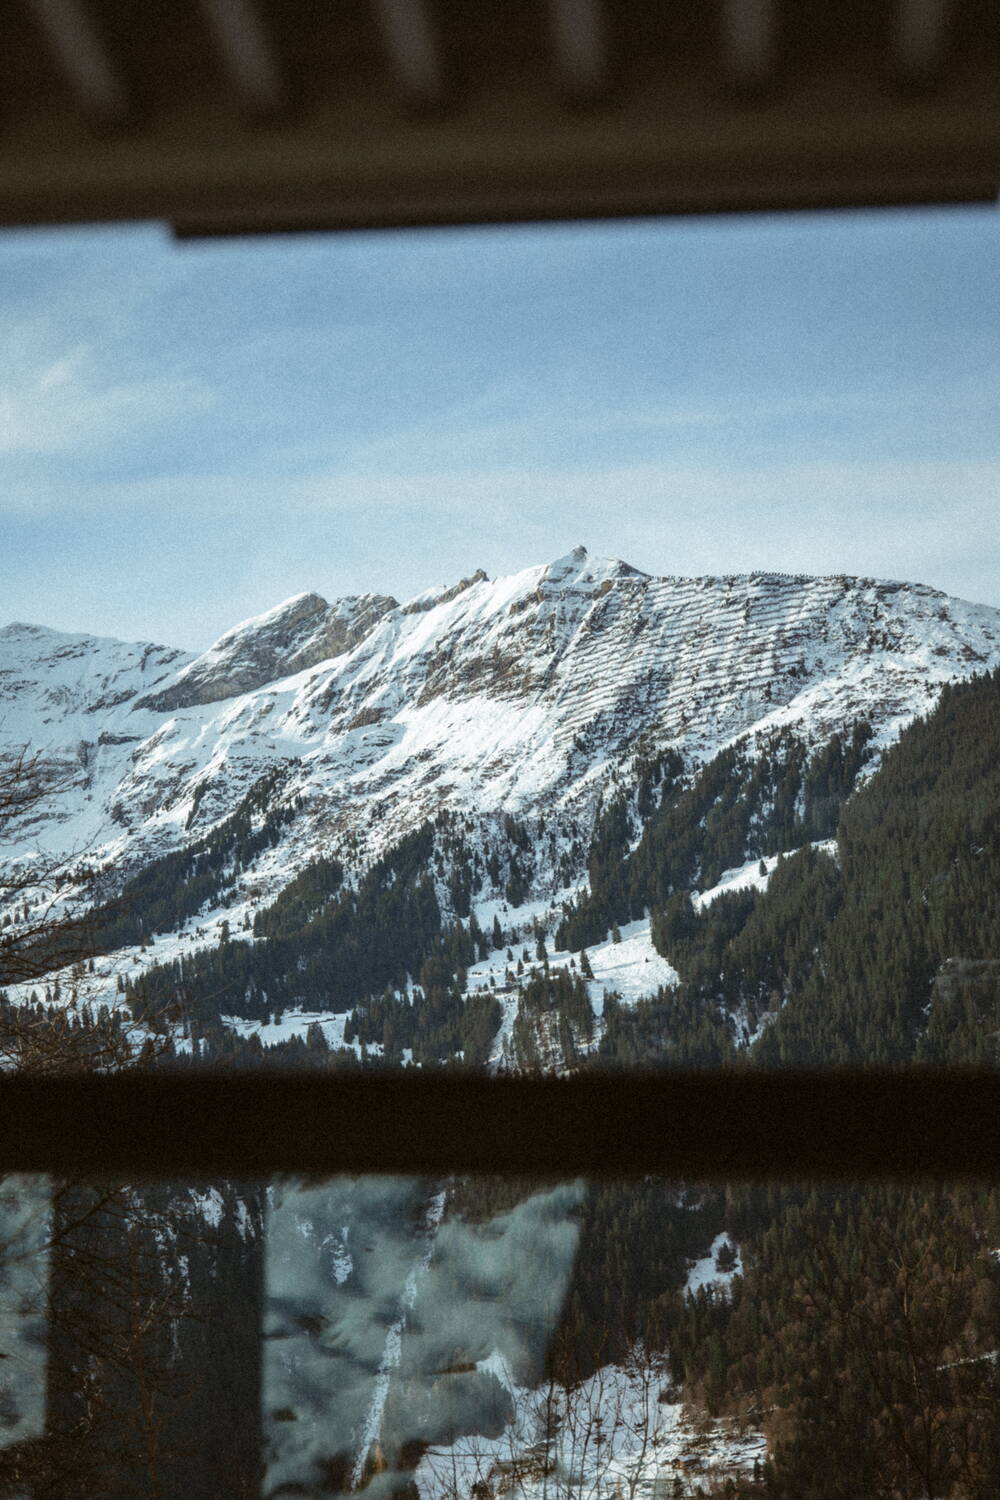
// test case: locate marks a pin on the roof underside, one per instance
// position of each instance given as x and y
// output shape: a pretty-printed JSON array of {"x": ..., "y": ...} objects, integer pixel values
[{"x": 230, "y": 116}]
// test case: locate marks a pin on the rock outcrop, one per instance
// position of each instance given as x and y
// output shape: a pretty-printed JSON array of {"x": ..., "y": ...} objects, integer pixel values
[{"x": 298, "y": 634}]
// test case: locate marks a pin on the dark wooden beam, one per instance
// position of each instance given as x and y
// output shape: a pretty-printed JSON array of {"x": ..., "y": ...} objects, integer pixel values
[
  {"x": 693, "y": 1125},
  {"x": 240, "y": 116}
]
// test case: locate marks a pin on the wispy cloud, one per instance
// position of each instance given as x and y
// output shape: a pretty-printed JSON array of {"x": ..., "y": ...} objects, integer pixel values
[
  {"x": 517, "y": 421},
  {"x": 61, "y": 405}
]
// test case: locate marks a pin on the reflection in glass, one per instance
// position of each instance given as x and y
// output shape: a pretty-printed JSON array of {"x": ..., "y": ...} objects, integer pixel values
[
  {"x": 390, "y": 1327},
  {"x": 24, "y": 1225},
  {"x": 485, "y": 1338}
]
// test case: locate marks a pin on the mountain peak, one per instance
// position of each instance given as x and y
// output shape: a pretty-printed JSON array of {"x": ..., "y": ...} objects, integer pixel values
[
  {"x": 22, "y": 627},
  {"x": 286, "y": 615},
  {"x": 294, "y": 635},
  {"x": 579, "y": 569},
  {"x": 432, "y": 597}
]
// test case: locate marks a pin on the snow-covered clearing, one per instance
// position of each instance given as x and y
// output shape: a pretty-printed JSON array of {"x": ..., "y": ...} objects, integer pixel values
[
  {"x": 296, "y": 1022},
  {"x": 631, "y": 968},
  {"x": 742, "y": 878},
  {"x": 751, "y": 877},
  {"x": 621, "y": 1433},
  {"x": 706, "y": 1273}
]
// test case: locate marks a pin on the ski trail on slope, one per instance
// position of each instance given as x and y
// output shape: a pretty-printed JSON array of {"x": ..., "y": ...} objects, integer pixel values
[{"x": 394, "y": 1343}]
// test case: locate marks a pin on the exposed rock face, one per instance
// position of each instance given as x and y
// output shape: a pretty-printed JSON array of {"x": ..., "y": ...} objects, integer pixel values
[
  {"x": 345, "y": 625},
  {"x": 296, "y": 635}
]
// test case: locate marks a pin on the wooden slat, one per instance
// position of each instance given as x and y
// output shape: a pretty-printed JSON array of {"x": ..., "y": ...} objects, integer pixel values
[
  {"x": 246, "y": 53},
  {"x": 82, "y": 57}
]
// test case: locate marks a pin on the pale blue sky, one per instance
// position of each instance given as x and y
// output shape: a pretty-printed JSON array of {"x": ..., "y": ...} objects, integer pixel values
[{"x": 189, "y": 434}]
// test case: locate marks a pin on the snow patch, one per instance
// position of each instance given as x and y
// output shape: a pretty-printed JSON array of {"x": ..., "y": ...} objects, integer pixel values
[
  {"x": 743, "y": 878},
  {"x": 751, "y": 877},
  {"x": 622, "y": 1432},
  {"x": 632, "y": 969},
  {"x": 295, "y": 1022},
  {"x": 706, "y": 1272},
  {"x": 210, "y": 1205}
]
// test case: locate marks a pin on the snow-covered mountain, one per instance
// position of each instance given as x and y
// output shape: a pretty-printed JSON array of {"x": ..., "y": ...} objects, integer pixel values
[
  {"x": 527, "y": 694},
  {"x": 514, "y": 708}
]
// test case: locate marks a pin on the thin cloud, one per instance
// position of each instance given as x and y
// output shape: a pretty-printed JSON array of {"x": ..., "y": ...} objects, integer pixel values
[
  {"x": 511, "y": 419},
  {"x": 59, "y": 409}
]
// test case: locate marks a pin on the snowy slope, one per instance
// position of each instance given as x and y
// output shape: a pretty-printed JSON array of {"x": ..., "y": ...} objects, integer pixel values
[
  {"x": 750, "y": 876},
  {"x": 615, "y": 1435},
  {"x": 529, "y": 693},
  {"x": 72, "y": 699}
]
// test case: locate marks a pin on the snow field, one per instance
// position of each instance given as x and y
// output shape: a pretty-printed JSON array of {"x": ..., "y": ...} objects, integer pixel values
[
  {"x": 748, "y": 876},
  {"x": 705, "y": 1272},
  {"x": 620, "y": 1433}
]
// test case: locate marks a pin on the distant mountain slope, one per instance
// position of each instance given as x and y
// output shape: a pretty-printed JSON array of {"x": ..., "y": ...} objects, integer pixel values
[
  {"x": 407, "y": 848},
  {"x": 300, "y": 633},
  {"x": 528, "y": 694}
]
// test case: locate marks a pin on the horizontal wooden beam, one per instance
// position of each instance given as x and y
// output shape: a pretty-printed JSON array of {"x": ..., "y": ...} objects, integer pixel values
[
  {"x": 725, "y": 1125},
  {"x": 264, "y": 115}
]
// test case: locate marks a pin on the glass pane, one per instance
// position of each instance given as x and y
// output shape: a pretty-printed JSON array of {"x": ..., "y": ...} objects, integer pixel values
[
  {"x": 483, "y": 1337},
  {"x": 25, "y": 1232},
  {"x": 710, "y": 792},
  {"x": 626, "y": 802},
  {"x": 392, "y": 1327}
]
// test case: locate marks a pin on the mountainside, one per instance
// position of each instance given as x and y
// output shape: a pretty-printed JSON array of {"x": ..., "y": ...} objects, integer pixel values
[
  {"x": 355, "y": 812},
  {"x": 576, "y": 818},
  {"x": 525, "y": 695}
]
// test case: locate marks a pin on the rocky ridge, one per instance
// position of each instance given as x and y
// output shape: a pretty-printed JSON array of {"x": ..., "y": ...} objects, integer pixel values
[
  {"x": 300, "y": 633},
  {"x": 527, "y": 694}
]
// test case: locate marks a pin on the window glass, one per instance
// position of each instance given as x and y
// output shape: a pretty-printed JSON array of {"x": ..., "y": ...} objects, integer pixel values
[{"x": 545, "y": 651}]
